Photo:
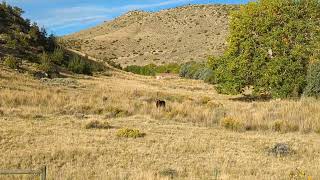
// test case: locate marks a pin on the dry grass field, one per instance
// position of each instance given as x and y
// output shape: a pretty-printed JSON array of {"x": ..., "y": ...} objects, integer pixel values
[
  {"x": 72, "y": 125},
  {"x": 187, "y": 33}
]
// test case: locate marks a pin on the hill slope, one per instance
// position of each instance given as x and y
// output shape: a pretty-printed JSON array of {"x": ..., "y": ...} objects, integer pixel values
[{"x": 174, "y": 35}]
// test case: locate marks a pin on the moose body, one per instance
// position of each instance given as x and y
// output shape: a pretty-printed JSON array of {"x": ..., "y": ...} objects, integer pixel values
[{"x": 160, "y": 104}]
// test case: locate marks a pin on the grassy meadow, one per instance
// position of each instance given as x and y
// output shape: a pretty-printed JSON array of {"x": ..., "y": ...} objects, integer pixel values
[{"x": 75, "y": 126}]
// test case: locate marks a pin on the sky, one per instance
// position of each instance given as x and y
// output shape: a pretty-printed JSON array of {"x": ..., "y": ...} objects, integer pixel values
[{"x": 62, "y": 17}]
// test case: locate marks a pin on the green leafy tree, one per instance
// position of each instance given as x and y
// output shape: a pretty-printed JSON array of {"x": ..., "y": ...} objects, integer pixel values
[{"x": 270, "y": 47}]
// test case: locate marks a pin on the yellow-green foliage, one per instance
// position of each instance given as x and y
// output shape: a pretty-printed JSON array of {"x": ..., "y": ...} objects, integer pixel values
[
  {"x": 152, "y": 69},
  {"x": 11, "y": 62},
  {"x": 95, "y": 124},
  {"x": 130, "y": 133},
  {"x": 232, "y": 124},
  {"x": 272, "y": 57},
  {"x": 299, "y": 174},
  {"x": 284, "y": 126}
]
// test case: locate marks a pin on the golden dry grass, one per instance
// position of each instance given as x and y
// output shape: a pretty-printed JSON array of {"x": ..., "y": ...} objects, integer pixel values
[{"x": 44, "y": 123}]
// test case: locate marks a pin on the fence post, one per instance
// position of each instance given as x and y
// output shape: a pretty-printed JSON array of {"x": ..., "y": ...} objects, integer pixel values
[{"x": 43, "y": 174}]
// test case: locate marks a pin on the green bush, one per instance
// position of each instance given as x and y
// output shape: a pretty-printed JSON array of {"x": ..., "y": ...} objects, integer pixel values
[
  {"x": 313, "y": 80},
  {"x": 57, "y": 56},
  {"x": 152, "y": 69},
  {"x": 46, "y": 63},
  {"x": 80, "y": 66},
  {"x": 194, "y": 70},
  {"x": 11, "y": 62},
  {"x": 130, "y": 133},
  {"x": 270, "y": 47}
]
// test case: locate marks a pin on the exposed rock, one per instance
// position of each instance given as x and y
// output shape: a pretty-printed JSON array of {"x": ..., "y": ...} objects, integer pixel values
[{"x": 40, "y": 75}]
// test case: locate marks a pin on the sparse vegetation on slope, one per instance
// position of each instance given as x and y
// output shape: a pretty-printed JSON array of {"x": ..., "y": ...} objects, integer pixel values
[{"x": 175, "y": 35}]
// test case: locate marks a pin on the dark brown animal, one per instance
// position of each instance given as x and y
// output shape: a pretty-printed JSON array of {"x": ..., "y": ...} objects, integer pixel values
[{"x": 160, "y": 104}]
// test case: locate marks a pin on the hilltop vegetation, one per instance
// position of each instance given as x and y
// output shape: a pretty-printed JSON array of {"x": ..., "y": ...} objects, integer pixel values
[
  {"x": 19, "y": 36},
  {"x": 26, "y": 47},
  {"x": 177, "y": 35}
]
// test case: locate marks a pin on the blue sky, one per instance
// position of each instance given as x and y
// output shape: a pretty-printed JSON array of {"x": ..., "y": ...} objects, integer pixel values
[{"x": 67, "y": 16}]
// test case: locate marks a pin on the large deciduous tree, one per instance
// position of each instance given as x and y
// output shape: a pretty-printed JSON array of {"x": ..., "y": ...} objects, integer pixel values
[{"x": 271, "y": 44}]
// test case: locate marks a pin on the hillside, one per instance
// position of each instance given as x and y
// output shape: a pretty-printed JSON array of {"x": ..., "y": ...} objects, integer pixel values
[
  {"x": 27, "y": 48},
  {"x": 188, "y": 33}
]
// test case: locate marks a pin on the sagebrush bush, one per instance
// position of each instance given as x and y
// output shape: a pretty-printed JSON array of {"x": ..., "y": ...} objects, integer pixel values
[
  {"x": 11, "y": 62},
  {"x": 114, "y": 64},
  {"x": 95, "y": 124},
  {"x": 232, "y": 124},
  {"x": 194, "y": 70},
  {"x": 284, "y": 126},
  {"x": 171, "y": 173},
  {"x": 130, "y": 133}
]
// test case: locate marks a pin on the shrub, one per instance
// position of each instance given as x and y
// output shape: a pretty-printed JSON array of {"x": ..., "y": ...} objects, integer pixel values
[
  {"x": 11, "y": 62},
  {"x": 313, "y": 80},
  {"x": 232, "y": 124},
  {"x": 57, "y": 56},
  {"x": 97, "y": 125},
  {"x": 284, "y": 126},
  {"x": 114, "y": 64},
  {"x": 115, "y": 112},
  {"x": 79, "y": 66},
  {"x": 46, "y": 63},
  {"x": 191, "y": 70},
  {"x": 299, "y": 174},
  {"x": 270, "y": 56},
  {"x": 280, "y": 150},
  {"x": 130, "y": 133},
  {"x": 171, "y": 173},
  {"x": 152, "y": 69},
  {"x": 147, "y": 70},
  {"x": 194, "y": 70}
]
